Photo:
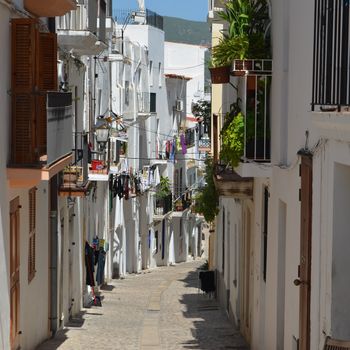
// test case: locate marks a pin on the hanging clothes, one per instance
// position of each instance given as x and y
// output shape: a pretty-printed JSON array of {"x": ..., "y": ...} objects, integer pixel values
[
  {"x": 167, "y": 149},
  {"x": 126, "y": 187},
  {"x": 89, "y": 264},
  {"x": 101, "y": 267}
]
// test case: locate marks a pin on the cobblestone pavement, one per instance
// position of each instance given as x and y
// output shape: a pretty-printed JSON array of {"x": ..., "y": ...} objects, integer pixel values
[{"x": 158, "y": 310}]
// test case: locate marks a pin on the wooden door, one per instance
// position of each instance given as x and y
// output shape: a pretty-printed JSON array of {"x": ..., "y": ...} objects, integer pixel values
[
  {"x": 14, "y": 273},
  {"x": 304, "y": 281}
]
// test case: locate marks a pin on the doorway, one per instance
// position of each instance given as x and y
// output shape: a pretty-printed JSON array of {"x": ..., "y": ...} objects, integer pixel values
[{"x": 304, "y": 281}]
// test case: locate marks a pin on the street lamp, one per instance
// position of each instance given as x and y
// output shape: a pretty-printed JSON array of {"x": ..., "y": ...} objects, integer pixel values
[{"x": 102, "y": 132}]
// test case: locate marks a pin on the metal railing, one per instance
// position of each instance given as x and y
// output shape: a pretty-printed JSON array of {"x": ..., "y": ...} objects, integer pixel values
[
  {"x": 257, "y": 118},
  {"x": 331, "y": 57}
]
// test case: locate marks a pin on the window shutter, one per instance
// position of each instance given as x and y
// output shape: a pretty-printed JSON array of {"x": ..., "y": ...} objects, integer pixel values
[
  {"x": 32, "y": 233},
  {"x": 47, "y": 81},
  {"x": 23, "y": 85}
]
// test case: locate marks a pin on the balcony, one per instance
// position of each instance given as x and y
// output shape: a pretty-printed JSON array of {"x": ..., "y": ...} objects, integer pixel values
[
  {"x": 39, "y": 153},
  {"x": 143, "y": 104},
  {"x": 204, "y": 144},
  {"x": 74, "y": 180},
  {"x": 77, "y": 31},
  {"x": 162, "y": 207},
  {"x": 99, "y": 170},
  {"x": 228, "y": 183},
  {"x": 183, "y": 202},
  {"x": 190, "y": 137},
  {"x": 49, "y": 8},
  {"x": 255, "y": 97}
]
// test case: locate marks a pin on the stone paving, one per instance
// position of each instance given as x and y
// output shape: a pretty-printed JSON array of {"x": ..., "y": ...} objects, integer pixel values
[{"x": 157, "y": 310}]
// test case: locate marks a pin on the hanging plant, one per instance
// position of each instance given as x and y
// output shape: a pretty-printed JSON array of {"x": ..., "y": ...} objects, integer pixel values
[
  {"x": 232, "y": 137},
  {"x": 207, "y": 200}
]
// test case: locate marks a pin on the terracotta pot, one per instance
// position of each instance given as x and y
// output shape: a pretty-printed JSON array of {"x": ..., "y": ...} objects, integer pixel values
[{"x": 220, "y": 75}]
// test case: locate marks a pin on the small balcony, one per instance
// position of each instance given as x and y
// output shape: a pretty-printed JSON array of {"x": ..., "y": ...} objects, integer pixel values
[
  {"x": 162, "y": 207},
  {"x": 77, "y": 31},
  {"x": 41, "y": 141},
  {"x": 204, "y": 144},
  {"x": 143, "y": 104},
  {"x": 74, "y": 179},
  {"x": 99, "y": 170},
  {"x": 49, "y": 8},
  {"x": 230, "y": 184}
]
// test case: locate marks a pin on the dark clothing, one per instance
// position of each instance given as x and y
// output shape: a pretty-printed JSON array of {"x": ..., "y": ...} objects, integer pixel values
[
  {"x": 101, "y": 267},
  {"x": 207, "y": 279},
  {"x": 89, "y": 264}
]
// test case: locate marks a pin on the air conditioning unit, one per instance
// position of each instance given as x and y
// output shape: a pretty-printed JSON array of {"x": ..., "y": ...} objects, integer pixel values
[{"x": 179, "y": 105}]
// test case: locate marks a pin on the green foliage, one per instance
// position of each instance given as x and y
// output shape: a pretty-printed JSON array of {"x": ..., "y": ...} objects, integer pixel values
[
  {"x": 163, "y": 189},
  {"x": 207, "y": 199},
  {"x": 245, "y": 37},
  {"x": 202, "y": 109},
  {"x": 232, "y": 137}
]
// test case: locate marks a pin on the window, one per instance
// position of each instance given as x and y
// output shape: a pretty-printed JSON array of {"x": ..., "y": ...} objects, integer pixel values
[
  {"x": 160, "y": 74},
  {"x": 153, "y": 102},
  {"x": 126, "y": 93},
  {"x": 265, "y": 227},
  {"x": 150, "y": 73},
  {"x": 32, "y": 229},
  {"x": 156, "y": 238},
  {"x": 331, "y": 77}
]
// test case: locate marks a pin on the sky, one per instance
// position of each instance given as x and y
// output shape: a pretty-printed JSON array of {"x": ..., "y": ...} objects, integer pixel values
[{"x": 195, "y": 10}]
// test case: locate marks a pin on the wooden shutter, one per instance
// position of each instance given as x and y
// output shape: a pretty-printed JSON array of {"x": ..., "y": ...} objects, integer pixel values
[
  {"x": 24, "y": 35},
  {"x": 32, "y": 231},
  {"x": 47, "y": 81}
]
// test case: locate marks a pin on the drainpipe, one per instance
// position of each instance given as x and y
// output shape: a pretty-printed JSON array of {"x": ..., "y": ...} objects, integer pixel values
[{"x": 53, "y": 255}]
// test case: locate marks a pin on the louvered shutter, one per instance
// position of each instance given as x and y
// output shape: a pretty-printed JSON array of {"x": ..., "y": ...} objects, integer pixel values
[
  {"x": 47, "y": 81},
  {"x": 23, "y": 85}
]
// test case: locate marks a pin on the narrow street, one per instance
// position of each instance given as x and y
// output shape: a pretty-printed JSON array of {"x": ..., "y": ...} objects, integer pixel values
[{"x": 161, "y": 309}]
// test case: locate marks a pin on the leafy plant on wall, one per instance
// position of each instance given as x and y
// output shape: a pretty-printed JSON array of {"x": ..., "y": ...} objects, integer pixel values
[
  {"x": 163, "y": 189},
  {"x": 207, "y": 199},
  {"x": 232, "y": 138}
]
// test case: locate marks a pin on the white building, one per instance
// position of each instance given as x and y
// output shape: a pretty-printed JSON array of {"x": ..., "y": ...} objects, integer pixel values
[{"x": 281, "y": 248}]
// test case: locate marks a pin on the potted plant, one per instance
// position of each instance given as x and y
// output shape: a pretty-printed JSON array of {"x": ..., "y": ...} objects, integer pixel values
[
  {"x": 219, "y": 74},
  {"x": 248, "y": 22}
]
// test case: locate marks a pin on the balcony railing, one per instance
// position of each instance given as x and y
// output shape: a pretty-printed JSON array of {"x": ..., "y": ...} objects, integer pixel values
[
  {"x": 204, "y": 142},
  {"x": 164, "y": 205},
  {"x": 252, "y": 67},
  {"x": 74, "y": 181},
  {"x": 78, "y": 20},
  {"x": 257, "y": 118},
  {"x": 331, "y": 59}
]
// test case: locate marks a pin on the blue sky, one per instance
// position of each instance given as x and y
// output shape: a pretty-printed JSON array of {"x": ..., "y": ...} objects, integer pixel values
[{"x": 189, "y": 9}]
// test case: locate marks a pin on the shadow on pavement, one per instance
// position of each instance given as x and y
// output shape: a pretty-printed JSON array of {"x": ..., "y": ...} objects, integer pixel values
[{"x": 212, "y": 329}]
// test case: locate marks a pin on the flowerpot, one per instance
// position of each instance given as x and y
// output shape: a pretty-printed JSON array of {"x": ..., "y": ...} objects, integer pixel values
[{"x": 220, "y": 75}]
